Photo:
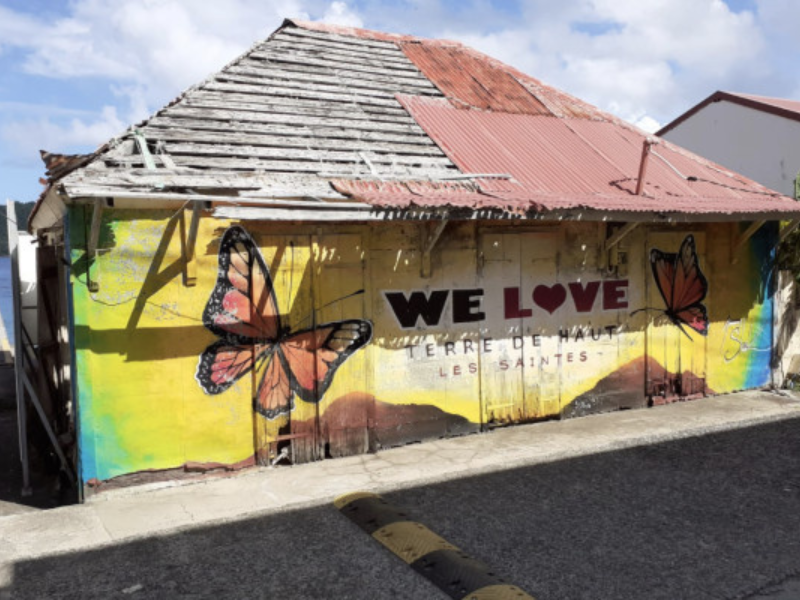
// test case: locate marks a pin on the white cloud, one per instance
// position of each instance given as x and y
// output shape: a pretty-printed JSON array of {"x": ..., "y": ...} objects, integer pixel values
[
  {"x": 649, "y": 124},
  {"x": 148, "y": 50},
  {"x": 26, "y": 108},
  {"x": 339, "y": 13},
  {"x": 18, "y": 29},
  {"x": 645, "y": 60},
  {"x": 638, "y": 59},
  {"x": 28, "y": 136}
]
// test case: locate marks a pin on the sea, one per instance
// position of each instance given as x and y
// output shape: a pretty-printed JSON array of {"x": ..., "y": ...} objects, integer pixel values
[{"x": 6, "y": 298}]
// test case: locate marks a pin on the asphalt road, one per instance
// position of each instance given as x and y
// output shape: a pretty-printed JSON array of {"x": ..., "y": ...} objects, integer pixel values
[{"x": 710, "y": 517}]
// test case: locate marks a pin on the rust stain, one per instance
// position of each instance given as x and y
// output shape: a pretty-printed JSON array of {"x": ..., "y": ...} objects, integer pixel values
[
  {"x": 187, "y": 471},
  {"x": 623, "y": 389},
  {"x": 470, "y": 82},
  {"x": 356, "y": 423}
]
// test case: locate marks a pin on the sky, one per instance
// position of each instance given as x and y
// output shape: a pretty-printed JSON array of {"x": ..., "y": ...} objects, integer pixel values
[{"x": 75, "y": 73}]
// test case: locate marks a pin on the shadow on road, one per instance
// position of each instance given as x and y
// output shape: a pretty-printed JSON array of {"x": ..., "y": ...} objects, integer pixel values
[
  {"x": 716, "y": 516},
  {"x": 44, "y": 477}
]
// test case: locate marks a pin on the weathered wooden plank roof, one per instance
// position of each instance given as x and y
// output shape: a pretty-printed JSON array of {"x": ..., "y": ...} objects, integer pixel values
[
  {"x": 300, "y": 105},
  {"x": 325, "y": 112}
]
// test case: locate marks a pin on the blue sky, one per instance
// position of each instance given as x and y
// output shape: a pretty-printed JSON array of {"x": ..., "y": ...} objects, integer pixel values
[{"x": 75, "y": 73}]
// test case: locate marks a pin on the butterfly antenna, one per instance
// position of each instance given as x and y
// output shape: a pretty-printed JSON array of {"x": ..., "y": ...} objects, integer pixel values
[
  {"x": 646, "y": 308},
  {"x": 683, "y": 331},
  {"x": 332, "y": 302}
]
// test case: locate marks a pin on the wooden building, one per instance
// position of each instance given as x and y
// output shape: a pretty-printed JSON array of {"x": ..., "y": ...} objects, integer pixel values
[{"x": 348, "y": 240}]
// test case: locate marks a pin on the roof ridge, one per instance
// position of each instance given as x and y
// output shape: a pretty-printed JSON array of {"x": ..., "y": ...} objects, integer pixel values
[{"x": 366, "y": 34}]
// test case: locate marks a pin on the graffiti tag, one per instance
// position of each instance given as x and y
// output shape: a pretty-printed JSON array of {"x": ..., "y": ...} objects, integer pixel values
[{"x": 737, "y": 338}]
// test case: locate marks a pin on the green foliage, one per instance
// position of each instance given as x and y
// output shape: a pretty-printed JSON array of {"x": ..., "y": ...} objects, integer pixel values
[
  {"x": 789, "y": 254},
  {"x": 789, "y": 249},
  {"x": 23, "y": 210}
]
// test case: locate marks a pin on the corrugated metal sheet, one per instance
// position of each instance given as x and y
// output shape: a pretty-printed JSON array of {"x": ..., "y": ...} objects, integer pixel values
[
  {"x": 465, "y": 79},
  {"x": 525, "y": 201},
  {"x": 399, "y": 195},
  {"x": 316, "y": 102},
  {"x": 574, "y": 163},
  {"x": 472, "y": 79}
]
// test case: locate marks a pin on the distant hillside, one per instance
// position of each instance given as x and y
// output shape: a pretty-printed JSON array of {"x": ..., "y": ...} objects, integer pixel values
[{"x": 23, "y": 209}]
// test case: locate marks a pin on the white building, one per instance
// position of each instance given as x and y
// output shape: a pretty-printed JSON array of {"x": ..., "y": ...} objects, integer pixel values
[{"x": 753, "y": 135}]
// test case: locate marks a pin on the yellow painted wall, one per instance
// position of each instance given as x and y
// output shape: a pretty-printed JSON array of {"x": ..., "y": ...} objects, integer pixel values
[{"x": 494, "y": 356}]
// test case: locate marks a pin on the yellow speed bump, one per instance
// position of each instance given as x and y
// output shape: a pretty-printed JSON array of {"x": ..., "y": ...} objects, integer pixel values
[
  {"x": 343, "y": 501},
  {"x": 456, "y": 573},
  {"x": 411, "y": 540},
  {"x": 498, "y": 592}
]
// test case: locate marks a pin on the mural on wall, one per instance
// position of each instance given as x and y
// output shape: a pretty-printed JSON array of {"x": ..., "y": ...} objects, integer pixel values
[
  {"x": 500, "y": 333},
  {"x": 682, "y": 286},
  {"x": 243, "y": 312}
]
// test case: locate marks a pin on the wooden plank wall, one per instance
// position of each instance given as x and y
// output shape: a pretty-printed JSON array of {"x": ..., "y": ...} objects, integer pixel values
[{"x": 512, "y": 324}]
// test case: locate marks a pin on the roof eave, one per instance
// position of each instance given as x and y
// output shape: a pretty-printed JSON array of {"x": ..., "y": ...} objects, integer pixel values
[
  {"x": 48, "y": 211},
  {"x": 719, "y": 96}
]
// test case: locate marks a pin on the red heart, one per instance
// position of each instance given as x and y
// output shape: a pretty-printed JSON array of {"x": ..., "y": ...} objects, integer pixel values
[{"x": 549, "y": 298}]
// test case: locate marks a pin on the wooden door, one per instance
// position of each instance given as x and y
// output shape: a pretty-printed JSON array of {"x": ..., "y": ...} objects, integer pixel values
[
  {"x": 509, "y": 393},
  {"x": 676, "y": 353},
  {"x": 295, "y": 432},
  {"x": 542, "y": 345},
  {"x": 345, "y": 409}
]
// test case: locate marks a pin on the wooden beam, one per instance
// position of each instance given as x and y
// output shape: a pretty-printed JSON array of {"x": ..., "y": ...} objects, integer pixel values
[
  {"x": 190, "y": 278},
  {"x": 619, "y": 235},
  {"x": 741, "y": 240},
  {"x": 47, "y": 427},
  {"x": 141, "y": 143},
  {"x": 91, "y": 244},
  {"x": 434, "y": 233}
]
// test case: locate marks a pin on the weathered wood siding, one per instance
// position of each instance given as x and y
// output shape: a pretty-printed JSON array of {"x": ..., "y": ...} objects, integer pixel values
[
  {"x": 514, "y": 323},
  {"x": 295, "y": 106}
]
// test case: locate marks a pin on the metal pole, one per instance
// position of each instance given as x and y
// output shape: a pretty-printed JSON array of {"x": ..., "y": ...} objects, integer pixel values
[
  {"x": 13, "y": 253},
  {"x": 643, "y": 166}
]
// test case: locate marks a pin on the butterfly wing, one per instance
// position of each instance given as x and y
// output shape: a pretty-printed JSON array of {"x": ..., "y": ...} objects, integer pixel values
[
  {"x": 242, "y": 305},
  {"x": 695, "y": 317},
  {"x": 690, "y": 285},
  {"x": 663, "y": 266},
  {"x": 311, "y": 357},
  {"x": 682, "y": 285},
  {"x": 224, "y": 362},
  {"x": 243, "y": 312},
  {"x": 274, "y": 396}
]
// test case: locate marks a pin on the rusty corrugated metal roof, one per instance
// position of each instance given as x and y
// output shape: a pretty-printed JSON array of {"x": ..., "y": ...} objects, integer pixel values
[
  {"x": 465, "y": 79},
  {"x": 315, "y": 104},
  {"x": 480, "y": 196},
  {"x": 561, "y": 164}
]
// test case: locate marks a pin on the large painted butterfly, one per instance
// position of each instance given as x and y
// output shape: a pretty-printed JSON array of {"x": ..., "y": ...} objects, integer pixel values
[
  {"x": 682, "y": 286},
  {"x": 243, "y": 312}
]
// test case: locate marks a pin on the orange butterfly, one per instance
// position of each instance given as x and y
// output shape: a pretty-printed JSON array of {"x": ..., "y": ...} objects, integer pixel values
[
  {"x": 682, "y": 286},
  {"x": 243, "y": 312}
]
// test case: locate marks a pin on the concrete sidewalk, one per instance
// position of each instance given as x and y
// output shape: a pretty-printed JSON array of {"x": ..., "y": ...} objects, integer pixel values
[{"x": 160, "y": 508}]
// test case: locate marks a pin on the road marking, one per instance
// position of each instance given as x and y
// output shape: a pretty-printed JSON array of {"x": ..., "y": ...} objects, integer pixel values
[{"x": 452, "y": 570}]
